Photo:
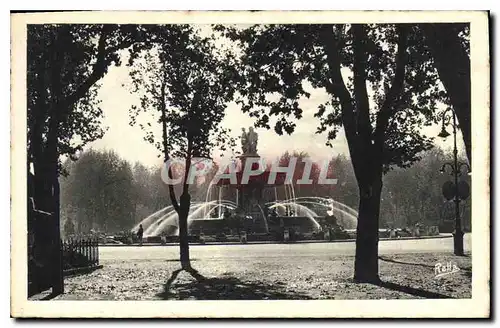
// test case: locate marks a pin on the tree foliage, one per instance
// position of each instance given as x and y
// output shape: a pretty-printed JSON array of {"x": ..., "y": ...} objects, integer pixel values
[
  {"x": 282, "y": 63},
  {"x": 190, "y": 78},
  {"x": 65, "y": 62}
]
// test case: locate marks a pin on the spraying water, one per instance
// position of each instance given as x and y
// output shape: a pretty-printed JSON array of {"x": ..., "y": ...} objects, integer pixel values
[
  {"x": 150, "y": 219},
  {"x": 299, "y": 210},
  {"x": 265, "y": 218},
  {"x": 165, "y": 221}
]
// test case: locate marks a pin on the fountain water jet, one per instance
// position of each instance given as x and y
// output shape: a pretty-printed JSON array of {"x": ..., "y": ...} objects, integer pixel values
[{"x": 149, "y": 220}]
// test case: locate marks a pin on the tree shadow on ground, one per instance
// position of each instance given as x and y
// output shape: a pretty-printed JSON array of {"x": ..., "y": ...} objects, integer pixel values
[
  {"x": 402, "y": 262},
  {"x": 410, "y": 290},
  {"x": 223, "y": 288}
]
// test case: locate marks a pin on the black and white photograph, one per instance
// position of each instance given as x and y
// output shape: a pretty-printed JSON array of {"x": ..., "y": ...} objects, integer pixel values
[{"x": 250, "y": 156}]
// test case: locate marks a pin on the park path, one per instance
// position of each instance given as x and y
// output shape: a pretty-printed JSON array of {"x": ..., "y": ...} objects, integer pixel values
[{"x": 305, "y": 250}]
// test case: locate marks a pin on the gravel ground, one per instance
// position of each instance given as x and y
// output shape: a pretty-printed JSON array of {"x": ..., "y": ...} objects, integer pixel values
[{"x": 403, "y": 276}]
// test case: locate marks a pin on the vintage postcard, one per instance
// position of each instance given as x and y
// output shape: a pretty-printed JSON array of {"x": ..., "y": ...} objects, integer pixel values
[{"x": 250, "y": 164}]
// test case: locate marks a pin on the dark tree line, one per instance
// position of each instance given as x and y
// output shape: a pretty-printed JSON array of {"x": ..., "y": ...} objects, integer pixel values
[{"x": 99, "y": 193}]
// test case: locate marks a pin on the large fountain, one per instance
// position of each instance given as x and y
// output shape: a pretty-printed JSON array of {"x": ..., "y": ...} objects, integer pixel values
[{"x": 261, "y": 214}]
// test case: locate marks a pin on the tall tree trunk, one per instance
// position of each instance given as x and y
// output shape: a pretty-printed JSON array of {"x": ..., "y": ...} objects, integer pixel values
[
  {"x": 58, "y": 287},
  {"x": 366, "y": 262},
  {"x": 184, "y": 205},
  {"x": 50, "y": 175},
  {"x": 453, "y": 65},
  {"x": 51, "y": 157}
]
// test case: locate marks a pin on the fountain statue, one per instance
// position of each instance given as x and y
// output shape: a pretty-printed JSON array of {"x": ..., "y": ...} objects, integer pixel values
[
  {"x": 244, "y": 141},
  {"x": 249, "y": 196},
  {"x": 249, "y": 142}
]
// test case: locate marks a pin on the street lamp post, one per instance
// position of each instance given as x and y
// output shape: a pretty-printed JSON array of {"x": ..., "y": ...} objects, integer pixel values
[{"x": 456, "y": 171}]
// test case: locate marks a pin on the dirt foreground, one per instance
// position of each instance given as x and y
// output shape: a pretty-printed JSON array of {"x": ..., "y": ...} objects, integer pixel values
[{"x": 403, "y": 276}]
